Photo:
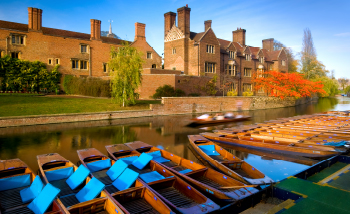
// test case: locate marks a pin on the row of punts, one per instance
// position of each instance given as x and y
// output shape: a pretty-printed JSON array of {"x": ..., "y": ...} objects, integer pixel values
[{"x": 134, "y": 178}]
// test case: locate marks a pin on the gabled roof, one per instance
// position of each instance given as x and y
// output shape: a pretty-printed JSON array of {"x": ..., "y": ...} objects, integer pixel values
[
  {"x": 254, "y": 51},
  {"x": 113, "y": 40},
  {"x": 274, "y": 55},
  {"x": 238, "y": 47},
  {"x": 266, "y": 54},
  {"x": 199, "y": 36},
  {"x": 173, "y": 34},
  {"x": 13, "y": 26}
]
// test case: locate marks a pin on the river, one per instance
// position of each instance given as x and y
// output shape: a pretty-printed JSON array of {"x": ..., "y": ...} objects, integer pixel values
[{"x": 168, "y": 132}]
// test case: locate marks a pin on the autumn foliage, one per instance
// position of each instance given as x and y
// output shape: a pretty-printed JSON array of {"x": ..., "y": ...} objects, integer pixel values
[{"x": 283, "y": 85}]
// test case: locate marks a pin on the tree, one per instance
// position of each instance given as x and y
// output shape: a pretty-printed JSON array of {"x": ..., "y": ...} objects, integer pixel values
[
  {"x": 126, "y": 66},
  {"x": 210, "y": 87},
  {"x": 329, "y": 85},
  {"x": 292, "y": 62},
  {"x": 283, "y": 85},
  {"x": 167, "y": 91},
  {"x": 226, "y": 83},
  {"x": 343, "y": 82}
]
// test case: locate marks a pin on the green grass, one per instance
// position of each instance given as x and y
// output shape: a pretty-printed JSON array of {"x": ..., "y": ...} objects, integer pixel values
[{"x": 38, "y": 105}]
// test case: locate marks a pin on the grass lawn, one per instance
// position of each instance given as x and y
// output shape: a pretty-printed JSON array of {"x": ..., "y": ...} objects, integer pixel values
[{"x": 37, "y": 105}]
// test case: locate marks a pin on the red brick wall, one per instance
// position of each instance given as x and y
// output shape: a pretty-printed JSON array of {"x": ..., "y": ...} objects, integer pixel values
[
  {"x": 150, "y": 82},
  {"x": 160, "y": 71}
]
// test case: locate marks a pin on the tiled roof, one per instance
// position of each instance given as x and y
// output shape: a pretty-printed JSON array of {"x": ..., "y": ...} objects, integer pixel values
[
  {"x": 13, "y": 26},
  {"x": 274, "y": 55},
  {"x": 224, "y": 43},
  {"x": 113, "y": 40},
  {"x": 65, "y": 33},
  {"x": 238, "y": 46},
  {"x": 266, "y": 54},
  {"x": 254, "y": 51},
  {"x": 196, "y": 36}
]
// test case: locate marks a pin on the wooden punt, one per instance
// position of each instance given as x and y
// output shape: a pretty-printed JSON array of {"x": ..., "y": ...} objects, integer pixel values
[
  {"x": 199, "y": 122},
  {"x": 211, "y": 183},
  {"x": 271, "y": 146},
  {"x": 175, "y": 192},
  {"x": 228, "y": 163},
  {"x": 10, "y": 200}
]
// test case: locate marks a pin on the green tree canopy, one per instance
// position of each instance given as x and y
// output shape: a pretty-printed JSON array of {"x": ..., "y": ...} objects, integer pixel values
[
  {"x": 125, "y": 66},
  {"x": 329, "y": 85}
]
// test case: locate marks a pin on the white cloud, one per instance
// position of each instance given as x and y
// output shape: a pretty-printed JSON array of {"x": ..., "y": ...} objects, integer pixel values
[{"x": 343, "y": 34}]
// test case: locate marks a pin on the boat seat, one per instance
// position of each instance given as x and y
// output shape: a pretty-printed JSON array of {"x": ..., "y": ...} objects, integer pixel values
[
  {"x": 55, "y": 168},
  {"x": 28, "y": 194},
  {"x": 129, "y": 160},
  {"x": 102, "y": 176},
  {"x": 126, "y": 179},
  {"x": 152, "y": 176},
  {"x": 64, "y": 187},
  {"x": 78, "y": 177},
  {"x": 142, "y": 161},
  {"x": 59, "y": 174},
  {"x": 41, "y": 203},
  {"x": 117, "y": 169},
  {"x": 99, "y": 165},
  {"x": 209, "y": 150}
]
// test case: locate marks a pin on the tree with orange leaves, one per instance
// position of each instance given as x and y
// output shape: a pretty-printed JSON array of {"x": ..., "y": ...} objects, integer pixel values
[{"x": 283, "y": 85}]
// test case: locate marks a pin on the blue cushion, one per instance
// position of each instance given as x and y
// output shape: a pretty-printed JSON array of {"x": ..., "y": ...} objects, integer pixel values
[
  {"x": 185, "y": 171},
  {"x": 14, "y": 182},
  {"x": 155, "y": 154},
  {"x": 78, "y": 177},
  {"x": 142, "y": 161},
  {"x": 160, "y": 159},
  {"x": 117, "y": 169},
  {"x": 99, "y": 165},
  {"x": 129, "y": 160},
  {"x": 126, "y": 179},
  {"x": 28, "y": 194},
  {"x": 209, "y": 149},
  {"x": 151, "y": 176},
  {"x": 90, "y": 190},
  {"x": 45, "y": 198},
  {"x": 59, "y": 174}
]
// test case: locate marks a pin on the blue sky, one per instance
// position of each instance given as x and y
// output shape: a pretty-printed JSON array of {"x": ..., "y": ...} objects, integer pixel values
[{"x": 329, "y": 21}]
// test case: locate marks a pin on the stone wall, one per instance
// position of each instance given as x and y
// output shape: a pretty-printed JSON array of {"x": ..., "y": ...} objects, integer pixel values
[{"x": 169, "y": 106}]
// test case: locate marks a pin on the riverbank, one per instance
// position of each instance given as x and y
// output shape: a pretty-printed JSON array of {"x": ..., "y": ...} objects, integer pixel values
[{"x": 169, "y": 106}]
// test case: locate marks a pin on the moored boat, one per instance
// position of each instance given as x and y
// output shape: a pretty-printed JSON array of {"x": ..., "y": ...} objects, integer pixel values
[
  {"x": 213, "y": 184},
  {"x": 226, "y": 162},
  {"x": 199, "y": 122}
]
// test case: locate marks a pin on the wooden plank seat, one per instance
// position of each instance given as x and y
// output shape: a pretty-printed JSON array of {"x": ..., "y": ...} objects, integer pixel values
[{"x": 138, "y": 206}]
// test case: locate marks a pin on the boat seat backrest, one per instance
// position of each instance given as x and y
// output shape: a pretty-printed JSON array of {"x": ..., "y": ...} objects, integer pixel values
[
  {"x": 117, "y": 169},
  {"x": 142, "y": 161},
  {"x": 152, "y": 176},
  {"x": 78, "y": 177},
  {"x": 99, "y": 165},
  {"x": 45, "y": 198},
  {"x": 90, "y": 190},
  {"x": 13, "y": 182},
  {"x": 129, "y": 160},
  {"x": 209, "y": 149},
  {"x": 126, "y": 179},
  {"x": 157, "y": 156},
  {"x": 58, "y": 174},
  {"x": 28, "y": 194}
]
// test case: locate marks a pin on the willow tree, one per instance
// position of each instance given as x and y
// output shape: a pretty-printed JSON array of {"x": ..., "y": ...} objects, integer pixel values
[{"x": 125, "y": 66}]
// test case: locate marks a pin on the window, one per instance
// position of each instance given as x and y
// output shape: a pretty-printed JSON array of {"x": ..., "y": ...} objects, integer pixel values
[
  {"x": 83, "y": 64},
  {"x": 270, "y": 67},
  {"x": 75, "y": 64},
  {"x": 210, "y": 49},
  {"x": 149, "y": 55},
  {"x": 232, "y": 54},
  {"x": 105, "y": 67},
  {"x": 83, "y": 48},
  {"x": 283, "y": 62},
  {"x": 18, "y": 39},
  {"x": 57, "y": 61},
  {"x": 174, "y": 50},
  {"x": 261, "y": 59},
  {"x": 247, "y": 57},
  {"x": 154, "y": 66},
  {"x": 50, "y": 62},
  {"x": 209, "y": 67},
  {"x": 247, "y": 87},
  {"x": 15, "y": 55},
  {"x": 231, "y": 70},
  {"x": 261, "y": 90},
  {"x": 260, "y": 73},
  {"x": 247, "y": 72}
]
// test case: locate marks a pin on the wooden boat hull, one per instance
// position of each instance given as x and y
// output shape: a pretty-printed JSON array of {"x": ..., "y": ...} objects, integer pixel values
[
  {"x": 197, "y": 122},
  {"x": 231, "y": 162}
]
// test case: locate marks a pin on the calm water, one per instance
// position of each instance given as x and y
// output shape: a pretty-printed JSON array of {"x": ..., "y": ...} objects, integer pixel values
[{"x": 168, "y": 132}]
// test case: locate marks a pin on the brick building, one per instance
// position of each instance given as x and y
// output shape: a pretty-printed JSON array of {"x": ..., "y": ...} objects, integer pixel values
[
  {"x": 78, "y": 54},
  {"x": 204, "y": 54}
]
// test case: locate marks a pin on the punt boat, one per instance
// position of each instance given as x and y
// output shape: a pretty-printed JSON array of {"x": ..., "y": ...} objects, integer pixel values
[
  {"x": 213, "y": 184},
  {"x": 292, "y": 148},
  {"x": 200, "y": 122},
  {"x": 175, "y": 192},
  {"x": 224, "y": 161},
  {"x": 21, "y": 190}
]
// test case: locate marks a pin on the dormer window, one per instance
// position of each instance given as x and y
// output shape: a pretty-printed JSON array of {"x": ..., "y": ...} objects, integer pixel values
[
  {"x": 261, "y": 59},
  {"x": 247, "y": 57},
  {"x": 210, "y": 49},
  {"x": 232, "y": 54}
]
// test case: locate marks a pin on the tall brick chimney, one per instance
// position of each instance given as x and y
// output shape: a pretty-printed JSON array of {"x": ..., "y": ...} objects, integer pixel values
[
  {"x": 183, "y": 20},
  {"x": 34, "y": 19},
  {"x": 95, "y": 29},
  {"x": 207, "y": 24},
  {"x": 268, "y": 44},
  {"x": 169, "y": 21},
  {"x": 239, "y": 36},
  {"x": 140, "y": 31}
]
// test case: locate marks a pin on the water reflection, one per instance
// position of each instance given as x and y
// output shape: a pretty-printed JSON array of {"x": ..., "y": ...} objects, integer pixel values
[{"x": 168, "y": 132}]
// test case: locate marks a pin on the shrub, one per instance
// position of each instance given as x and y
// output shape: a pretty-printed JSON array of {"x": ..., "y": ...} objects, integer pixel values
[
  {"x": 232, "y": 93},
  {"x": 248, "y": 93},
  {"x": 89, "y": 86},
  {"x": 167, "y": 91},
  {"x": 194, "y": 94}
]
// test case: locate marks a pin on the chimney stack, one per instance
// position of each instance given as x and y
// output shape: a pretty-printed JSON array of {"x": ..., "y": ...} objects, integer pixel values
[
  {"x": 140, "y": 31},
  {"x": 169, "y": 21},
  {"x": 183, "y": 20},
  {"x": 207, "y": 24},
  {"x": 239, "y": 36},
  {"x": 34, "y": 19},
  {"x": 268, "y": 44},
  {"x": 95, "y": 29}
]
